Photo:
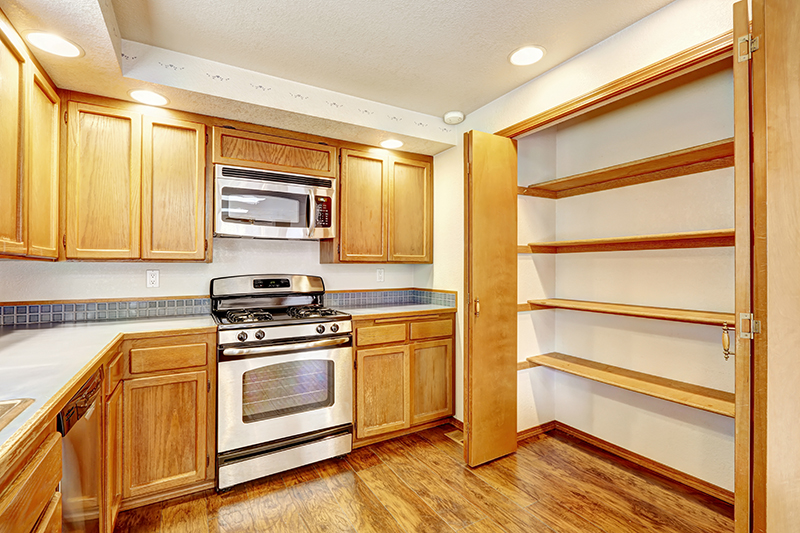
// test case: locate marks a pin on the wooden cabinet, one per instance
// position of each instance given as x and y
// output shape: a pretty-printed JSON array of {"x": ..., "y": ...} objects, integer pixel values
[
  {"x": 103, "y": 182},
  {"x": 12, "y": 102},
  {"x": 404, "y": 373},
  {"x": 386, "y": 210},
  {"x": 410, "y": 211},
  {"x": 164, "y": 437},
  {"x": 258, "y": 150},
  {"x": 167, "y": 415},
  {"x": 113, "y": 456},
  {"x": 173, "y": 189},
  {"x": 383, "y": 400},
  {"x": 29, "y": 107},
  {"x": 135, "y": 186}
]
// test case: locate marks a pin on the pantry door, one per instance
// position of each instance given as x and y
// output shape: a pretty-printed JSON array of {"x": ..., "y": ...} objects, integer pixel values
[{"x": 490, "y": 352}]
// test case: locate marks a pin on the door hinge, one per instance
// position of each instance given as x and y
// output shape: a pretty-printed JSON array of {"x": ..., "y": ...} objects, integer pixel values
[
  {"x": 206, "y": 245},
  {"x": 66, "y": 117},
  {"x": 208, "y": 388},
  {"x": 745, "y": 46},
  {"x": 355, "y": 364},
  {"x": 340, "y": 159},
  {"x": 208, "y": 460},
  {"x": 206, "y": 138},
  {"x": 755, "y": 326},
  {"x": 64, "y": 241},
  {"x": 338, "y": 248}
]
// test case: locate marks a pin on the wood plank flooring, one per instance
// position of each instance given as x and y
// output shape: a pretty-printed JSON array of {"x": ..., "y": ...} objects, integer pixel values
[{"x": 419, "y": 483}]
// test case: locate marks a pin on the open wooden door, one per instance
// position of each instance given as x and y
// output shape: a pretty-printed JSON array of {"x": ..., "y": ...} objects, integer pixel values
[
  {"x": 744, "y": 260},
  {"x": 490, "y": 352}
]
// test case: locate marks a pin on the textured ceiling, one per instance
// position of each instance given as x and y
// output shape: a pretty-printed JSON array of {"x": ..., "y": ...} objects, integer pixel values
[{"x": 422, "y": 55}]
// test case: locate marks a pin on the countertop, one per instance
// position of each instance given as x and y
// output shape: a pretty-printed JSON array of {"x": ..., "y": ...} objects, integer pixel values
[
  {"x": 37, "y": 362},
  {"x": 395, "y": 310}
]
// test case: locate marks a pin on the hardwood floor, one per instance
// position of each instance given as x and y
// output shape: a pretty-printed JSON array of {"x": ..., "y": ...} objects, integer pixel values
[{"x": 419, "y": 483}]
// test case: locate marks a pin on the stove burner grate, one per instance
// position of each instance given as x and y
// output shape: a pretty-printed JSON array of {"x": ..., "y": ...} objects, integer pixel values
[
  {"x": 248, "y": 315},
  {"x": 307, "y": 311}
]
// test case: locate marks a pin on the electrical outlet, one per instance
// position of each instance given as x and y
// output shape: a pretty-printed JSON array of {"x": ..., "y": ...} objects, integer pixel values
[
  {"x": 152, "y": 279},
  {"x": 380, "y": 274}
]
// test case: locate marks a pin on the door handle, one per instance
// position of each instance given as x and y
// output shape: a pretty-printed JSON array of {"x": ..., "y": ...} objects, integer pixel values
[
  {"x": 477, "y": 307},
  {"x": 312, "y": 214}
]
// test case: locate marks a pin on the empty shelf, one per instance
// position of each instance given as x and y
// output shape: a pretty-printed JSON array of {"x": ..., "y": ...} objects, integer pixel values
[
  {"x": 714, "y": 401},
  {"x": 663, "y": 241},
  {"x": 660, "y": 313},
  {"x": 693, "y": 160}
]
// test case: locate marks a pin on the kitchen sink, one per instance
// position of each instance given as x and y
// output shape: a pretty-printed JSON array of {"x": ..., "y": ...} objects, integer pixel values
[{"x": 9, "y": 409}]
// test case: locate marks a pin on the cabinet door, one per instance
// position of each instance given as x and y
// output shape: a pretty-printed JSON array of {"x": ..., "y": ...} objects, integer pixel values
[
  {"x": 113, "y": 457},
  {"x": 173, "y": 189},
  {"x": 12, "y": 103},
  {"x": 42, "y": 167},
  {"x": 103, "y": 182},
  {"x": 431, "y": 380},
  {"x": 164, "y": 436},
  {"x": 256, "y": 150},
  {"x": 410, "y": 211},
  {"x": 383, "y": 403},
  {"x": 364, "y": 182}
]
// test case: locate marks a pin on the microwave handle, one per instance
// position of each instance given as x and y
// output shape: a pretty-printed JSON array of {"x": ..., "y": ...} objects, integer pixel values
[{"x": 312, "y": 214}]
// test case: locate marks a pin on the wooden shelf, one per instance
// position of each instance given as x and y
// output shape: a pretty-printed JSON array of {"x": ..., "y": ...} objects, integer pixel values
[
  {"x": 711, "y": 156},
  {"x": 663, "y": 241},
  {"x": 711, "y": 400},
  {"x": 659, "y": 313}
]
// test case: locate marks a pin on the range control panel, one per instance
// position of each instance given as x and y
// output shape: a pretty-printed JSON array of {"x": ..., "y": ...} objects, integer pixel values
[{"x": 324, "y": 211}]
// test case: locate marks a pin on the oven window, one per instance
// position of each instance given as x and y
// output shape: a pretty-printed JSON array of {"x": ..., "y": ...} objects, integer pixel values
[
  {"x": 265, "y": 208},
  {"x": 286, "y": 388}
]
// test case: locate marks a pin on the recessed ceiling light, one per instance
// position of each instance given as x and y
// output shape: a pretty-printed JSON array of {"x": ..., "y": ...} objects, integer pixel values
[
  {"x": 392, "y": 143},
  {"x": 527, "y": 55},
  {"x": 148, "y": 97},
  {"x": 53, "y": 44}
]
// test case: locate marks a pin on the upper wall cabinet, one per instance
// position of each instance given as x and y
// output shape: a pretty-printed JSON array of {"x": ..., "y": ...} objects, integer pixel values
[
  {"x": 29, "y": 107},
  {"x": 135, "y": 186},
  {"x": 386, "y": 210},
  {"x": 257, "y": 150}
]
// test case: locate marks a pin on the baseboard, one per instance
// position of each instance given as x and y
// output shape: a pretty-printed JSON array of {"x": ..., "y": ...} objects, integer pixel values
[
  {"x": 458, "y": 424},
  {"x": 641, "y": 461}
]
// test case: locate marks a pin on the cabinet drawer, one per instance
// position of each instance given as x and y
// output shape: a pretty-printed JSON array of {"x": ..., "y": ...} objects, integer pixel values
[
  {"x": 380, "y": 334},
  {"x": 50, "y": 521},
  {"x": 430, "y": 329},
  {"x": 156, "y": 358},
  {"x": 27, "y": 496}
]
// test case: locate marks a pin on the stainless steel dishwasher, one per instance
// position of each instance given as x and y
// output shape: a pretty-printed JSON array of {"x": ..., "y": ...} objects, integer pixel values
[{"x": 79, "y": 423}]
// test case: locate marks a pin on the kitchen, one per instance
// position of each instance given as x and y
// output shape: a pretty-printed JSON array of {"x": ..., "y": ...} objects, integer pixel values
[{"x": 678, "y": 26}]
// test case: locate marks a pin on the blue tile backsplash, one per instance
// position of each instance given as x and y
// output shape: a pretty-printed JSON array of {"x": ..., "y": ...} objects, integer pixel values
[
  {"x": 387, "y": 298},
  {"x": 11, "y": 315}
]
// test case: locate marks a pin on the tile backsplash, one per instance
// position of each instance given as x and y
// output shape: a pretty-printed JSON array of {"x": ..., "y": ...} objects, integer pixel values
[
  {"x": 17, "y": 315},
  {"x": 386, "y": 298}
]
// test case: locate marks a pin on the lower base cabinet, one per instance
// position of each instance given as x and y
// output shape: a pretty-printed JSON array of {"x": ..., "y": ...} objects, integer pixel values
[
  {"x": 165, "y": 432},
  {"x": 404, "y": 373},
  {"x": 113, "y": 447}
]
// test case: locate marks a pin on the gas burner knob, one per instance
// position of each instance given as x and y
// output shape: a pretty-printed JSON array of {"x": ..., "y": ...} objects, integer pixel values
[
  {"x": 335, "y": 328},
  {"x": 320, "y": 329},
  {"x": 260, "y": 334},
  {"x": 242, "y": 336}
]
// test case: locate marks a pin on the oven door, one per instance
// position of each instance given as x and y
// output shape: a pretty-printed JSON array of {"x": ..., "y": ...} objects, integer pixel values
[
  {"x": 272, "y": 210},
  {"x": 263, "y": 398}
]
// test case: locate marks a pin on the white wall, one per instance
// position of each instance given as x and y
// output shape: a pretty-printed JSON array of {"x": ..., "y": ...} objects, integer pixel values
[
  {"x": 33, "y": 280},
  {"x": 706, "y": 449}
]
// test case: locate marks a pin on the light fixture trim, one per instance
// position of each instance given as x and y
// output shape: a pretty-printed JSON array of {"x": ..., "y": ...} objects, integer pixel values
[
  {"x": 392, "y": 143},
  {"x": 526, "y": 55},
  {"x": 147, "y": 97},
  {"x": 53, "y": 44}
]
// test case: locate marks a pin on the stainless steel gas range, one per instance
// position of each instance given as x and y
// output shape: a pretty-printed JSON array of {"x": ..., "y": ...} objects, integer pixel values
[{"x": 285, "y": 381}]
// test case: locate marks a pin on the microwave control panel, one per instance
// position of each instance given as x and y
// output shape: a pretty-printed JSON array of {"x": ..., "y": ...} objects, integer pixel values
[{"x": 324, "y": 208}]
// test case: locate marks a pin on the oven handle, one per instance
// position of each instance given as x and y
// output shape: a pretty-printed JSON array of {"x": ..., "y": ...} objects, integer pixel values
[
  {"x": 286, "y": 347},
  {"x": 312, "y": 213}
]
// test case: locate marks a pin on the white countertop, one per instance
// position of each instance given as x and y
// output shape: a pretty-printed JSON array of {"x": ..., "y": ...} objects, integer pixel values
[
  {"x": 36, "y": 362},
  {"x": 358, "y": 312}
]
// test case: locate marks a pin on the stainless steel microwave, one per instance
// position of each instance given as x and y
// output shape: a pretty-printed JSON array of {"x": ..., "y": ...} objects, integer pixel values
[{"x": 265, "y": 204}]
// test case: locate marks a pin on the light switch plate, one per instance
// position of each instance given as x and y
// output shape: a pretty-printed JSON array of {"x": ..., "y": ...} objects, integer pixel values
[
  {"x": 152, "y": 279},
  {"x": 380, "y": 274}
]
